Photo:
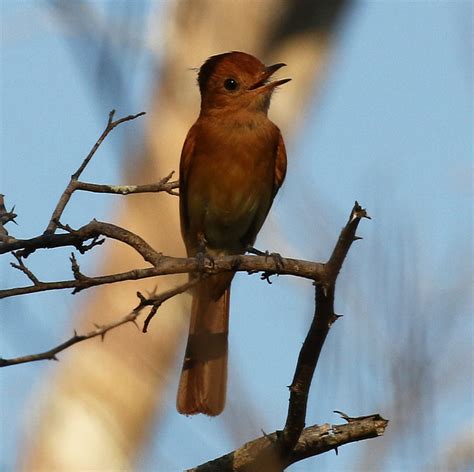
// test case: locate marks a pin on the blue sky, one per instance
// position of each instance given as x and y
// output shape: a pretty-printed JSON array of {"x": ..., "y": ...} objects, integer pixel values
[{"x": 391, "y": 127}]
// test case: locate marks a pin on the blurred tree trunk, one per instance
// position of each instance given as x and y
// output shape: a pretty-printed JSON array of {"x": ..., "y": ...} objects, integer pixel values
[{"x": 103, "y": 398}]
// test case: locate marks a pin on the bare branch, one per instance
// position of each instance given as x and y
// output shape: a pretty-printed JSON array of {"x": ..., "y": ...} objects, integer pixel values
[
  {"x": 313, "y": 441},
  {"x": 65, "y": 197},
  {"x": 154, "y": 301},
  {"x": 324, "y": 317},
  {"x": 77, "y": 338},
  {"x": 76, "y": 238},
  {"x": 166, "y": 265},
  {"x": 22, "y": 267},
  {"x": 5, "y": 217},
  {"x": 157, "y": 301},
  {"x": 161, "y": 186}
]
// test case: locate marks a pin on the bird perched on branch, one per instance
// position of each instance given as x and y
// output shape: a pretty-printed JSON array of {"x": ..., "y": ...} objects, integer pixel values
[{"x": 232, "y": 164}]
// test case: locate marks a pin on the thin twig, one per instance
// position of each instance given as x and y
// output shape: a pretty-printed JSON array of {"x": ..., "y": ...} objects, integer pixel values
[
  {"x": 111, "y": 124},
  {"x": 154, "y": 301},
  {"x": 158, "y": 300},
  {"x": 162, "y": 186},
  {"x": 22, "y": 267},
  {"x": 76, "y": 338},
  {"x": 65, "y": 197},
  {"x": 77, "y": 238}
]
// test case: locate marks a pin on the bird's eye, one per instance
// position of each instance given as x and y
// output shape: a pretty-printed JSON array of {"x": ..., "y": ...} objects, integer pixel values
[{"x": 231, "y": 84}]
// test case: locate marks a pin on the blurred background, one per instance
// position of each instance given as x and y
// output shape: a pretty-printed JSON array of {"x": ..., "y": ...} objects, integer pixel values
[{"x": 379, "y": 110}]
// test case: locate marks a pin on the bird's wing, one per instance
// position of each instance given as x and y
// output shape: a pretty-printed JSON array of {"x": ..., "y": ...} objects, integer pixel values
[
  {"x": 184, "y": 168},
  {"x": 280, "y": 165}
]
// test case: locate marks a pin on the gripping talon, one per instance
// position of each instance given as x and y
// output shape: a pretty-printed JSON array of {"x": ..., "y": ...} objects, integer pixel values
[
  {"x": 200, "y": 257},
  {"x": 202, "y": 253},
  {"x": 278, "y": 260},
  {"x": 212, "y": 263}
]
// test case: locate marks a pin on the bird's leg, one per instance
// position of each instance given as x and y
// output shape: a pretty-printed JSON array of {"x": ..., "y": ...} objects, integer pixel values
[
  {"x": 277, "y": 259},
  {"x": 202, "y": 253},
  {"x": 256, "y": 252}
]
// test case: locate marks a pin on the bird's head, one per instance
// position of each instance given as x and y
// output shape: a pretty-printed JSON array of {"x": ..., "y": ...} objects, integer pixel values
[{"x": 236, "y": 81}]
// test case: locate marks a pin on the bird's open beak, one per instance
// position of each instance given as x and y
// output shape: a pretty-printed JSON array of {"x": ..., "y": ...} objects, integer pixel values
[{"x": 263, "y": 84}]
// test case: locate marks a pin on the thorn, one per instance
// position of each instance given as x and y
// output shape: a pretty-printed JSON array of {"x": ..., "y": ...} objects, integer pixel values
[
  {"x": 135, "y": 323},
  {"x": 334, "y": 318},
  {"x": 336, "y": 451},
  {"x": 75, "y": 334},
  {"x": 343, "y": 415},
  {"x": 267, "y": 436},
  {"x": 54, "y": 358},
  {"x": 356, "y": 238}
]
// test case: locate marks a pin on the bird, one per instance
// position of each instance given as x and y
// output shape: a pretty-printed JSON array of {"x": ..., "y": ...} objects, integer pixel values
[{"x": 232, "y": 164}]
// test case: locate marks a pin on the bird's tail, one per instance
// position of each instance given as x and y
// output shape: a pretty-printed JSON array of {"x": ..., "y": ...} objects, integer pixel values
[{"x": 202, "y": 386}]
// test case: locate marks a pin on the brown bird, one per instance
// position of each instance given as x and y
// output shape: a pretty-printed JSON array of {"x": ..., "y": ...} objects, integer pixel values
[{"x": 232, "y": 164}]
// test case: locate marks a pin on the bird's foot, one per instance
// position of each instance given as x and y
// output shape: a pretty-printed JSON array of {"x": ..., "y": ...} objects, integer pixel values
[
  {"x": 202, "y": 254},
  {"x": 256, "y": 252},
  {"x": 277, "y": 259}
]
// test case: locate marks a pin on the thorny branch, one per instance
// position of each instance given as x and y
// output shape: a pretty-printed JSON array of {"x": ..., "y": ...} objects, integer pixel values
[
  {"x": 324, "y": 317},
  {"x": 164, "y": 185},
  {"x": 272, "y": 452},
  {"x": 166, "y": 265},
  {"x": 313, "y": 441},
  {"x": 5, "y": 217},
  {"x": 154, "y": 302},
  {"x": 65, "y": 197}
]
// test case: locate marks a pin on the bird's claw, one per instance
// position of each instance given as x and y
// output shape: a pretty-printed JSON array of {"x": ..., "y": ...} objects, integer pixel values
[
  {"x": 201, "y": 259},
  {"x": 277, "y": 259},
  {"x": 266, "y": 276},
  {"x": 202, "y": 254}
]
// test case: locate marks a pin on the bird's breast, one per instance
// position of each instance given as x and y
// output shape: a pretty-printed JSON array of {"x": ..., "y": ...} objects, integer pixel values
[
  {"x": 231, "y": 182},
  {"x": 239, "y": 167}
]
